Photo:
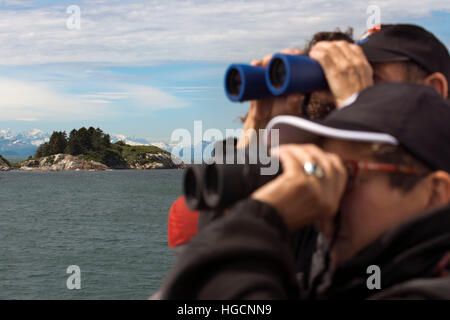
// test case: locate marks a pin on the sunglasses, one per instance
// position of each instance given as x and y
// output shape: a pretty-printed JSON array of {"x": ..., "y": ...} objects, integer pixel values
[{"x": 355, "y": 166}]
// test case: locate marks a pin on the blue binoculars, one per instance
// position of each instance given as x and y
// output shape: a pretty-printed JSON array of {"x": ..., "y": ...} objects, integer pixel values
[{"x": 285, "y": 74}]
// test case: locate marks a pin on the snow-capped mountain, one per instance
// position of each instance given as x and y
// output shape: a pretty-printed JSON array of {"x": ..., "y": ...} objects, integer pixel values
[
  {"x": 132, "y": 141},
  {"x": 187, "y": 152},
  {"x": 22, "y": 144},
  {"x": 162, "y": 145}
]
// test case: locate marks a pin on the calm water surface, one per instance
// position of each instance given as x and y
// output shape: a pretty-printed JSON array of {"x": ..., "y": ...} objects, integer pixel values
[{"x": 113, "y": 225}]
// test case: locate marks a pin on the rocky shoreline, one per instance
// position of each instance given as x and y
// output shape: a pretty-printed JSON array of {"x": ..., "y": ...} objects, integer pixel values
[
  {"x": 67, "y": 162},
  {"x": 154, "y": 161},
  {"x": 4, "y": 166}
]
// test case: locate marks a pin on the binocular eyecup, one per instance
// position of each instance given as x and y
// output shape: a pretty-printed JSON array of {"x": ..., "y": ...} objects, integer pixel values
[
  {"x": 288, "y": 74},
  {"x": 244, "y": 82},
  {"x": 285, "y": 74},
  {"x": 193, "y": 187}
]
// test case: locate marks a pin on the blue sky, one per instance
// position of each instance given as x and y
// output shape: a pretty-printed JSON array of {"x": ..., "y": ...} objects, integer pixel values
[{"x": 146, "y": 68}]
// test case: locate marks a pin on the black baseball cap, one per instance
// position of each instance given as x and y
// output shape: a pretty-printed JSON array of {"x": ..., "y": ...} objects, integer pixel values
[
  {"x": 411, "y": 115},
  {"x": 401, "y": 42}
]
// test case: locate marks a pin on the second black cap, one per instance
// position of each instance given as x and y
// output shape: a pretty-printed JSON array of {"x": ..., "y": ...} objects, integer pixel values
[{"x": 399, "y": 42}]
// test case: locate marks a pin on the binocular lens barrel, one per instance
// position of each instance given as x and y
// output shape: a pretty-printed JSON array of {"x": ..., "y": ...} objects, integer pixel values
[
  {"x": 226, "y": 184},
  {"x": 193, "y": 187},
  {"x": 218, "y": 186},
  {"x": 277, "y": 73},
  {"x": 244, "y": 82},
  {"x": 288, "y": 74},
  {"x": 234, "y": 82}
]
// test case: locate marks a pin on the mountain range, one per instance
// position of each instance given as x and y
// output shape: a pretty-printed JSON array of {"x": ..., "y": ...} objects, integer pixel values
[{"x": 21, "y": 145}]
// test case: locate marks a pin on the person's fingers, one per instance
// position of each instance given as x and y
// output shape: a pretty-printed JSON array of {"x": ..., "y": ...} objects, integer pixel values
[
  {"x": 358, "y": 54},
  {"x": 262, "y": 63},
  {"x": 322, "y": 55},
  {"x": 344, "y": 48},
  {"x": 329, "y": 56},
  {"x": 358, "y": 62},
  {"x": 340, "y": 172},
  {"x": 306, "y": 153},
  {"x": 361, "y": 62},
  {"x": 300, "y": 156},
  {"x": 291, "y": 158},
  {"x": 337, "y": 163},
  {"x": 333, "y": 167},
  {"x": 355, "y": 56},
  {"x": 318, "y": 156},
  {"x": 345, "y": 67},
  {"x": 266, "y": 60},
  {"x": 256, "y": 63},
  {"x": 318, "y": 194},
  {"x": 291, "y": 51},
  {"x": 331, "y": 186}
]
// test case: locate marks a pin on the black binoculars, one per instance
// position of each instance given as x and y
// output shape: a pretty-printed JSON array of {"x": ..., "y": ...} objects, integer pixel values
[
  {"x": 218, "y": 186},
  {"x": 285, "y": 74}
]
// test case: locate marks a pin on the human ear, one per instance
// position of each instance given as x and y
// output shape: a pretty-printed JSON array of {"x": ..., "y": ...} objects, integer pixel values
[
  {"x": 440, "y": 189},
  {"x": 438, "y": 81}
]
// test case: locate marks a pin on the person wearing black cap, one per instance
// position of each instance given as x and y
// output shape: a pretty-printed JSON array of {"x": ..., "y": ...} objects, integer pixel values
[
  {"x": 397, "y": 52},
  {"x": 375, "y": 178},
  {"x": 420, "y": 56}
]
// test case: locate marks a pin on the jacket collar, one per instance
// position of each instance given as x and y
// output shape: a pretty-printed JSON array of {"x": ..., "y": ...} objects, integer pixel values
[{"x": 409, "y": 251}]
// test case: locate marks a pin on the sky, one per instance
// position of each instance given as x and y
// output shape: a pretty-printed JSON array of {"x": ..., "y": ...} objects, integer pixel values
[{"x": 146, "y": 68}]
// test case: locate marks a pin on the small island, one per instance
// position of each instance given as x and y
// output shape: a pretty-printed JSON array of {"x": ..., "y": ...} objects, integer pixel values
[{"x": 91, "y": 150}]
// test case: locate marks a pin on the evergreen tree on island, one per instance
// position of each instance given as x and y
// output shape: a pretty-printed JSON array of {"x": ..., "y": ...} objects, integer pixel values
[{"x": 81, "y": 141}]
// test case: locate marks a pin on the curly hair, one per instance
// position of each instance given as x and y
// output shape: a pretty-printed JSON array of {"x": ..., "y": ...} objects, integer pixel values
[{"x": 329, "y": 36}]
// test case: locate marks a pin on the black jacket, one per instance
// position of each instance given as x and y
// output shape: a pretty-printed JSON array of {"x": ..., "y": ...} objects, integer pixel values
[{"x": 247, "y": 254}]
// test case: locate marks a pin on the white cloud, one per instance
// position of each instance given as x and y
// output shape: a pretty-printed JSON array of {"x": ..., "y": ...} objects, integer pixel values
[
  {"x": 148, "y": 98},
  {"x": 143, "y": 32},
  {"x": 34, "y": 101},
  {"x": 27, "y": 119}
]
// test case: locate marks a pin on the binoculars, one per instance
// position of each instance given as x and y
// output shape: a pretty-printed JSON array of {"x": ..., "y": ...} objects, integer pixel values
[
  {"x": 285, "y": 74},
  {"x": 218, "y": 186}
]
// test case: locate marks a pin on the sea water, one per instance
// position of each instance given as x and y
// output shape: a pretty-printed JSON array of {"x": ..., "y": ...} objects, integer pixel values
[{"x": 111, "y": 224}]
